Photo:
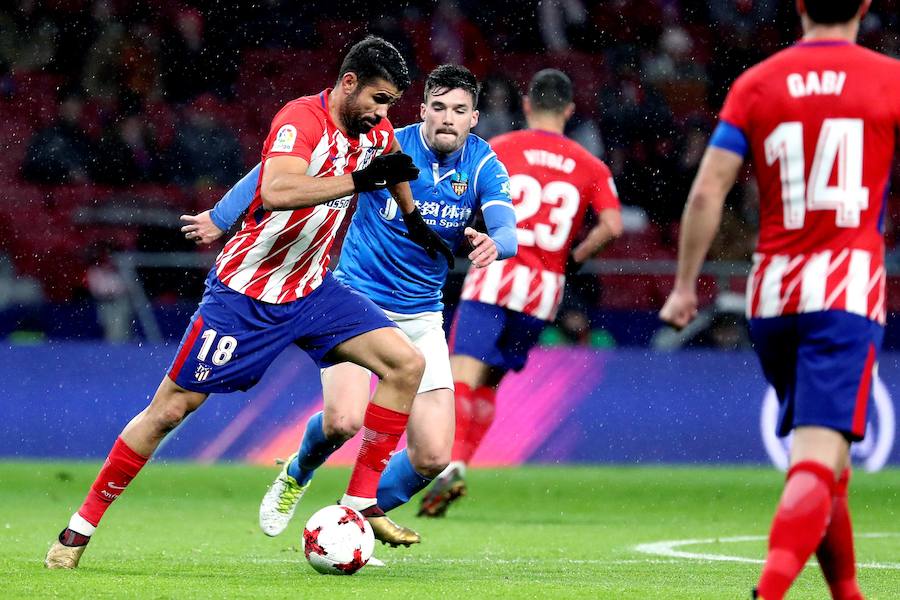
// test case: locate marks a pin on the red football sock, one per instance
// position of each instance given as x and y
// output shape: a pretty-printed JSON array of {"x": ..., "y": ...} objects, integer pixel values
[
  {"x": 798, "y": 528},
  {"x": 121, "y": 466},
  {"x": 382, "y": 428},
  {"x": 463, "y": 396},
  {"x": 835, "y": 553},
  {"x": 483, "y": 409}
]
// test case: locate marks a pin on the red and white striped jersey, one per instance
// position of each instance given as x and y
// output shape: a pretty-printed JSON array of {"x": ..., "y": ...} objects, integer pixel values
[
  {"x": 846, "y": 279},
  {"x": 553, "y": 182},
  {"x": 280, "y": 256},
  {"x": 821, "y": 131}
]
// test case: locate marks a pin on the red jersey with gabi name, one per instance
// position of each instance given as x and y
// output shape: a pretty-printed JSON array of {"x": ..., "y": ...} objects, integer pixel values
[
  {"x": 280, "y": 256},
  {"x": 821, "y": 120},
  {"x": 553, "y": 182}
]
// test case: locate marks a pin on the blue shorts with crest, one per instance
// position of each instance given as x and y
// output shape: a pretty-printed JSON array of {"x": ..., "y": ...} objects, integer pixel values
[{"x": 232, "y": 338}]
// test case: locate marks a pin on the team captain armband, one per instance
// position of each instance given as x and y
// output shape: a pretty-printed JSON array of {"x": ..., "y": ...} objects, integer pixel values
[{"x": 731, "y": 138}]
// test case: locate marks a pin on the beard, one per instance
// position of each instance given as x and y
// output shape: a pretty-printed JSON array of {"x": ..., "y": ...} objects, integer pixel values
[
  {"x": 354, "y": 120},
  {"x": 442, "y": 145}
]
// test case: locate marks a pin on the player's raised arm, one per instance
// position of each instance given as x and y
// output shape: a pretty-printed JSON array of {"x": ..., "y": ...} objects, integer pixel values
[
  {"x": 718, "y": 171},
  {"x": 286, "y": 186}
]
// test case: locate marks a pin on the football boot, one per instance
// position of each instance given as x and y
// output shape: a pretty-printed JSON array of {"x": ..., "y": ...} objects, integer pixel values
[
  {"x": 67, "y": 550},
  {"x": 446, "y": 489},
  {"x": 280, "y": 502},
  {"x": 388, "y": 532}
]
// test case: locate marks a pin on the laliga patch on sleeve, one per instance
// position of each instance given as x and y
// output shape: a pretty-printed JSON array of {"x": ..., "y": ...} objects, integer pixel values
[{"x": 284, "y": 140}]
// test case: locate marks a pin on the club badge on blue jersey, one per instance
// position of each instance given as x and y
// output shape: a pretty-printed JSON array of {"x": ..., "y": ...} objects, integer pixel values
[{"x": 460, "y": 183}]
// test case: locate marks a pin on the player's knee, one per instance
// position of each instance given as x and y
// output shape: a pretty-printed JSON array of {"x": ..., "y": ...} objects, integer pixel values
[
  {"x": 167, "y": 413},
  {"x": 410, "y": 367},
  {"x": 430, "y": 464},
  {"x": 169, "y": 417},
  {"x": 341, "y": 427}
]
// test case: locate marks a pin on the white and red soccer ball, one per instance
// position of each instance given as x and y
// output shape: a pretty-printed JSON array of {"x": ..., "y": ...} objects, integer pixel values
[{"x": 337, "y": 540}]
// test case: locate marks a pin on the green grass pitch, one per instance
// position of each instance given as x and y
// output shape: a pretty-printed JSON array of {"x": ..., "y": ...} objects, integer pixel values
[{"x": 189, "y": 531}]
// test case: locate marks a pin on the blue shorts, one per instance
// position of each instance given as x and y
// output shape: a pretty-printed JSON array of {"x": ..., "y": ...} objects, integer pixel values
[
  {"x": 495, "y": 335},
  {"x": 821, "y": 366},
  {"x": 232, "y": 338}
]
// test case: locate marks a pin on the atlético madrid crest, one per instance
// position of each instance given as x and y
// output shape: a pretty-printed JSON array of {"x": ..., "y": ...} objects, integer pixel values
[{"x": 460, "y": 183}]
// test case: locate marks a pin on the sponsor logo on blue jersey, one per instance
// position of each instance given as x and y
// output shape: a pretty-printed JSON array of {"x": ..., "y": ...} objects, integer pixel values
[{"x": 444, "y": 216}]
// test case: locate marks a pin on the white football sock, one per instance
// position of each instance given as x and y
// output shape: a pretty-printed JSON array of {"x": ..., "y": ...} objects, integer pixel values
[
  {"x": 456, "y": 464},
  {"x": 78, "y": 524},
  {"x": 357, "y": 503}
]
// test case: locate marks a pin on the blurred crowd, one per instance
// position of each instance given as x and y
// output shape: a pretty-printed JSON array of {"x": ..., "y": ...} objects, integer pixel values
[{"x": 122, "y": 95}]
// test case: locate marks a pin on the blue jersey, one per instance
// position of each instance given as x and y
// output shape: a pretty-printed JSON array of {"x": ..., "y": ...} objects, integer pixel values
[{"x": 378, "y": 258}]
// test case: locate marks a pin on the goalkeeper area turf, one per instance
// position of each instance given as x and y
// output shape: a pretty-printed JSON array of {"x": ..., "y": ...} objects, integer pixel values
[{"x": 190, "y": 531}]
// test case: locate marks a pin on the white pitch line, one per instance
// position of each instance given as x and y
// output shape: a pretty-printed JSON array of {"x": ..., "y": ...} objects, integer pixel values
[
  {"x": 527, "y": 562},
  {"x": 669, "y": 549}
]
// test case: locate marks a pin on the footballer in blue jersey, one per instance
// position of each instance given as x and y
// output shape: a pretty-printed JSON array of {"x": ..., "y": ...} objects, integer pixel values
[
  {"x": 449, "y": 190},
  {"x": 459, "y": 175}
]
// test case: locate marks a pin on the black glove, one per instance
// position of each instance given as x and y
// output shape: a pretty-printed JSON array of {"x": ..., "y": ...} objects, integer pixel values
[
  {"x": 572, "y": 266},
  {"x": 384, "y": 170},
  {"x": 425, "y": 236}
]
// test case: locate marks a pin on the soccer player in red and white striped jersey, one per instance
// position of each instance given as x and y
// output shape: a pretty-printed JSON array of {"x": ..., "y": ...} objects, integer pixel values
[
  {"x": 284, "y": 254},
  {"x": 820, "y": 121},
  {"x": 270, "y": 288},
  {"x": 504, "y": 307}
]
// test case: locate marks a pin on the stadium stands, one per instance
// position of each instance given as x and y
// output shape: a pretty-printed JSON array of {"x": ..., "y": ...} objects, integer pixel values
[{"x": 620, "y": 68}]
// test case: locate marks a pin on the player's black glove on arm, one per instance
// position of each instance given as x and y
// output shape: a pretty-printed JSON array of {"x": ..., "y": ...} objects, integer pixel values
[
  {"x": 384, "y": 170},
  {"x": 425, "y": 236}
]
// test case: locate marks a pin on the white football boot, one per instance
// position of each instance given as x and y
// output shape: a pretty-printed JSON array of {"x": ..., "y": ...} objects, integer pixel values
[{"x": 278, "y": 505}]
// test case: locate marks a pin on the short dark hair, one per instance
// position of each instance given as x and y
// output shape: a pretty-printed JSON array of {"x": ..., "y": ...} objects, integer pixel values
[
  {"x": 831, "y": 12},
  {"x": 376, "y": 58},
  {"x": 450, "y": 77},
  {"x": 550, "y": 91}
]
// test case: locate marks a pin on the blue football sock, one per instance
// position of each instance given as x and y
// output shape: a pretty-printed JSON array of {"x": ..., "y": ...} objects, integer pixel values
[
  {"x": 314, "y": 450},
  {"x": 399, "y": 482}
]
